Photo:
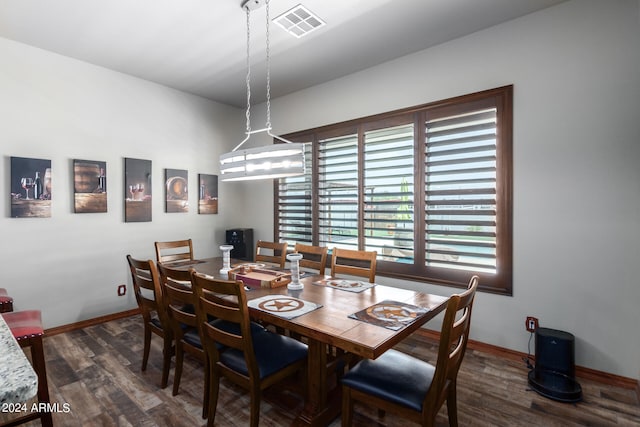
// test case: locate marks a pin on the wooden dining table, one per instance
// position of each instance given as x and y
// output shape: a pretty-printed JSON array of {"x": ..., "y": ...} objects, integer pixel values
[{"x": 330, "y": 326}]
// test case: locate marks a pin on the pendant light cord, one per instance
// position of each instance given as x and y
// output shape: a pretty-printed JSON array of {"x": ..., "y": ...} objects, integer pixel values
[
  {"x": 248, "y": 113},
  {"x": 267, "y": 128},
  {"x": 268, "y": 124}
]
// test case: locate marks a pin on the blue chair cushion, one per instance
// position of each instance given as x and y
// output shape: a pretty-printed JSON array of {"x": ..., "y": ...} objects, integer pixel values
[
  {"x": 188, "y": 308},
  {"x": 273, "y": 353},
  {"x": 192, "y": 337},
  {"x": 156, "y": 322},
  {"x": 234, "y": 328},
  {"x": 394, "y": 376}
]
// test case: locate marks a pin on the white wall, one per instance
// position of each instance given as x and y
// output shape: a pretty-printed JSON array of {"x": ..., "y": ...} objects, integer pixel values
[
  {"x": 57, "y": 108},
  {"x": 576, "y": 74}
]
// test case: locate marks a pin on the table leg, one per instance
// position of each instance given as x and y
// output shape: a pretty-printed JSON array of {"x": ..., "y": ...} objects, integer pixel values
[{"x": 320, "y": 407}]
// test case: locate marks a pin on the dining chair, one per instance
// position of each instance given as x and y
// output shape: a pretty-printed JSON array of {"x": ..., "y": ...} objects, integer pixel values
[
  {"x": 26, "y": 327},
  {"x": 252, "y": 358},
  {"x": 174, "y": 251},
  {"x": 271, "y": 252},
  {"x": 354, "y": 262},
  {"x": 148, "y": 293},
  {"x": 409, "y": 387},
  {"x": 314, "y": 257},
  {"x": 179, "y": 302}
]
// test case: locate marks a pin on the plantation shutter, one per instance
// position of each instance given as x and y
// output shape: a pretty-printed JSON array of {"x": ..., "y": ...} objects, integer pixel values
[
  {"x": 460, "y": 193},
  {"x": 338, "y": 192},
  {"x": 295, "y": 205},
  {"x": 429, "y": 188},
  {"x": 388, "y": 192}
]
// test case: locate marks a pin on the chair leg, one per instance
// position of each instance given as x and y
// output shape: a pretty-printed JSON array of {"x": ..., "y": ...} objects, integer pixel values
[
  {"x": 347, "y": 407},
  {"x": 452, "y": 405},
  {"x": 167, "y": 353},
  {"x": 36, "y": 347},
  {"x": 214, "y": 383},
  {"x": 205, "y": 394},
  {"x": 37, "y": 355},
  {"x": 177, "y": 374},
  {"x": 255, "y": 406},
  {"x": 147, "y": 346}
]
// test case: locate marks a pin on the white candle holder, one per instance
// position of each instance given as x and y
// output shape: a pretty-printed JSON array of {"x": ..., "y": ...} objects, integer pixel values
[
  {"x": 295, "y": 271},
  {"x": 226, "y": 259}
]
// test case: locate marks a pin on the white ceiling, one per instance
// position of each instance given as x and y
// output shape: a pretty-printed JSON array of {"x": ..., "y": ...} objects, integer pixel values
[{"x": 199, "y": 46}]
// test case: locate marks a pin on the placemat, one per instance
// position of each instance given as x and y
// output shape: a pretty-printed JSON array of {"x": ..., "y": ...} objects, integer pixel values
[
  {"x": 283, "y": 306},
  {"x": 345, "y": 285},
  {"x": 390, "y": 314}
]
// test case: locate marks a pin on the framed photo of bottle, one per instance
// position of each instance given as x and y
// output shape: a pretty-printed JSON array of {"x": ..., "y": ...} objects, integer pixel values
[
  {"x": 137, "y": 190},
  {"x": 176, "y": 186},
  {"x": 89, "y": 186},
  {"x": 207, "y": 194},
  {"x": 30, "y": 188}
]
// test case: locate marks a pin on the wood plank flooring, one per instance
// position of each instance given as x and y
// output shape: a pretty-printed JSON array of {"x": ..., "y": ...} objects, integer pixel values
[{"x": 96, "y": 371}]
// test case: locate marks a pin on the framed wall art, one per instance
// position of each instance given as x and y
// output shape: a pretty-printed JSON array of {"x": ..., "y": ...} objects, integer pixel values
[
  {"x": 30, "y": 188},
  {"x": 89, "y": 186},
  {"x": 176, "y": 188},
  {"x": 137, "y": 190},
  {"x": 208, "y": 194}
]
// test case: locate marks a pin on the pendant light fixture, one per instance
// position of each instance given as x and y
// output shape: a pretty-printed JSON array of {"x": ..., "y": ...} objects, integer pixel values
[{"x": 277, "y": 160}]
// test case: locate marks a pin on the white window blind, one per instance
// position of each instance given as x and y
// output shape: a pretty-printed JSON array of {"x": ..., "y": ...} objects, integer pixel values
[
  {"x": 460, "y": 196},
  {"x": 295, "y": 205},
  {"x": 338, "y": 192},
  {"x": 388, "y": 192}
]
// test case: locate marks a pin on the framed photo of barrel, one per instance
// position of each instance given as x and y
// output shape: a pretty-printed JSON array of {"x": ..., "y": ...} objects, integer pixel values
[
  {"x": 208, "y": 194},
  {"x": 30, "y": 188},
  {"x": 89, "y": 186},
  {"x": 176, "y": 187},
  {"x": 137, "y": 190}
]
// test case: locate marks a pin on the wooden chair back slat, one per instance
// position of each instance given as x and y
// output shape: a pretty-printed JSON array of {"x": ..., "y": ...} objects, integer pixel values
[
  {"x": 174, "y": 251},
  {"x": 454, "y": 336},
  {"x": 271, "y": 252},
  {"x": 145, "y": 276},
  {"x": 149, "y": 295},
  {"x": 314, "y": 257},
  {"x": 178, "y": 296},
  {"x": 354, "y": 262},
  {"x": 225, "y": 300}
]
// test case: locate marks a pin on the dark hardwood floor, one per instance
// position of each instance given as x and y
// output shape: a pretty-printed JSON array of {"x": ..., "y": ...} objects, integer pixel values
[{"x": 96, "y": 371}]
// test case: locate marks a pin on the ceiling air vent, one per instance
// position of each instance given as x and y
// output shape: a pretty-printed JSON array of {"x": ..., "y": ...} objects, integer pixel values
[{"x": 299, "y": 21}]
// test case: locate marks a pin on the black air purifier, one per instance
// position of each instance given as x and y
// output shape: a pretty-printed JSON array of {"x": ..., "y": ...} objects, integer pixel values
[
  {"x": 554, "y": 374},
  {"x": 242, "y": 241}
]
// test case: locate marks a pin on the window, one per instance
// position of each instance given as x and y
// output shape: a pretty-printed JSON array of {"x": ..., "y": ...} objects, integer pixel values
[
  {"x": 428, "y": 188},
  {"x": 294, "y": 206},
  {"x": 338, "y": 188}
]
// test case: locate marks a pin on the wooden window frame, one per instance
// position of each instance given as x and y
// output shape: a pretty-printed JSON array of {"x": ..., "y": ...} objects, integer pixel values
[{"x": 499, "y": 283}]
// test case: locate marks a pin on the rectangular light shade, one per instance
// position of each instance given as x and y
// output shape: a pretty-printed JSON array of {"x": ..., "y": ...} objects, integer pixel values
[{"x": 271, "y": 161}]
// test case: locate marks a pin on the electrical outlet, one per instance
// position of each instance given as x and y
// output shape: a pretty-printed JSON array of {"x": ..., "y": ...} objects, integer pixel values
[
  {"x": 531, "y": 324},
  {"x": 122, "y": 290}
]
